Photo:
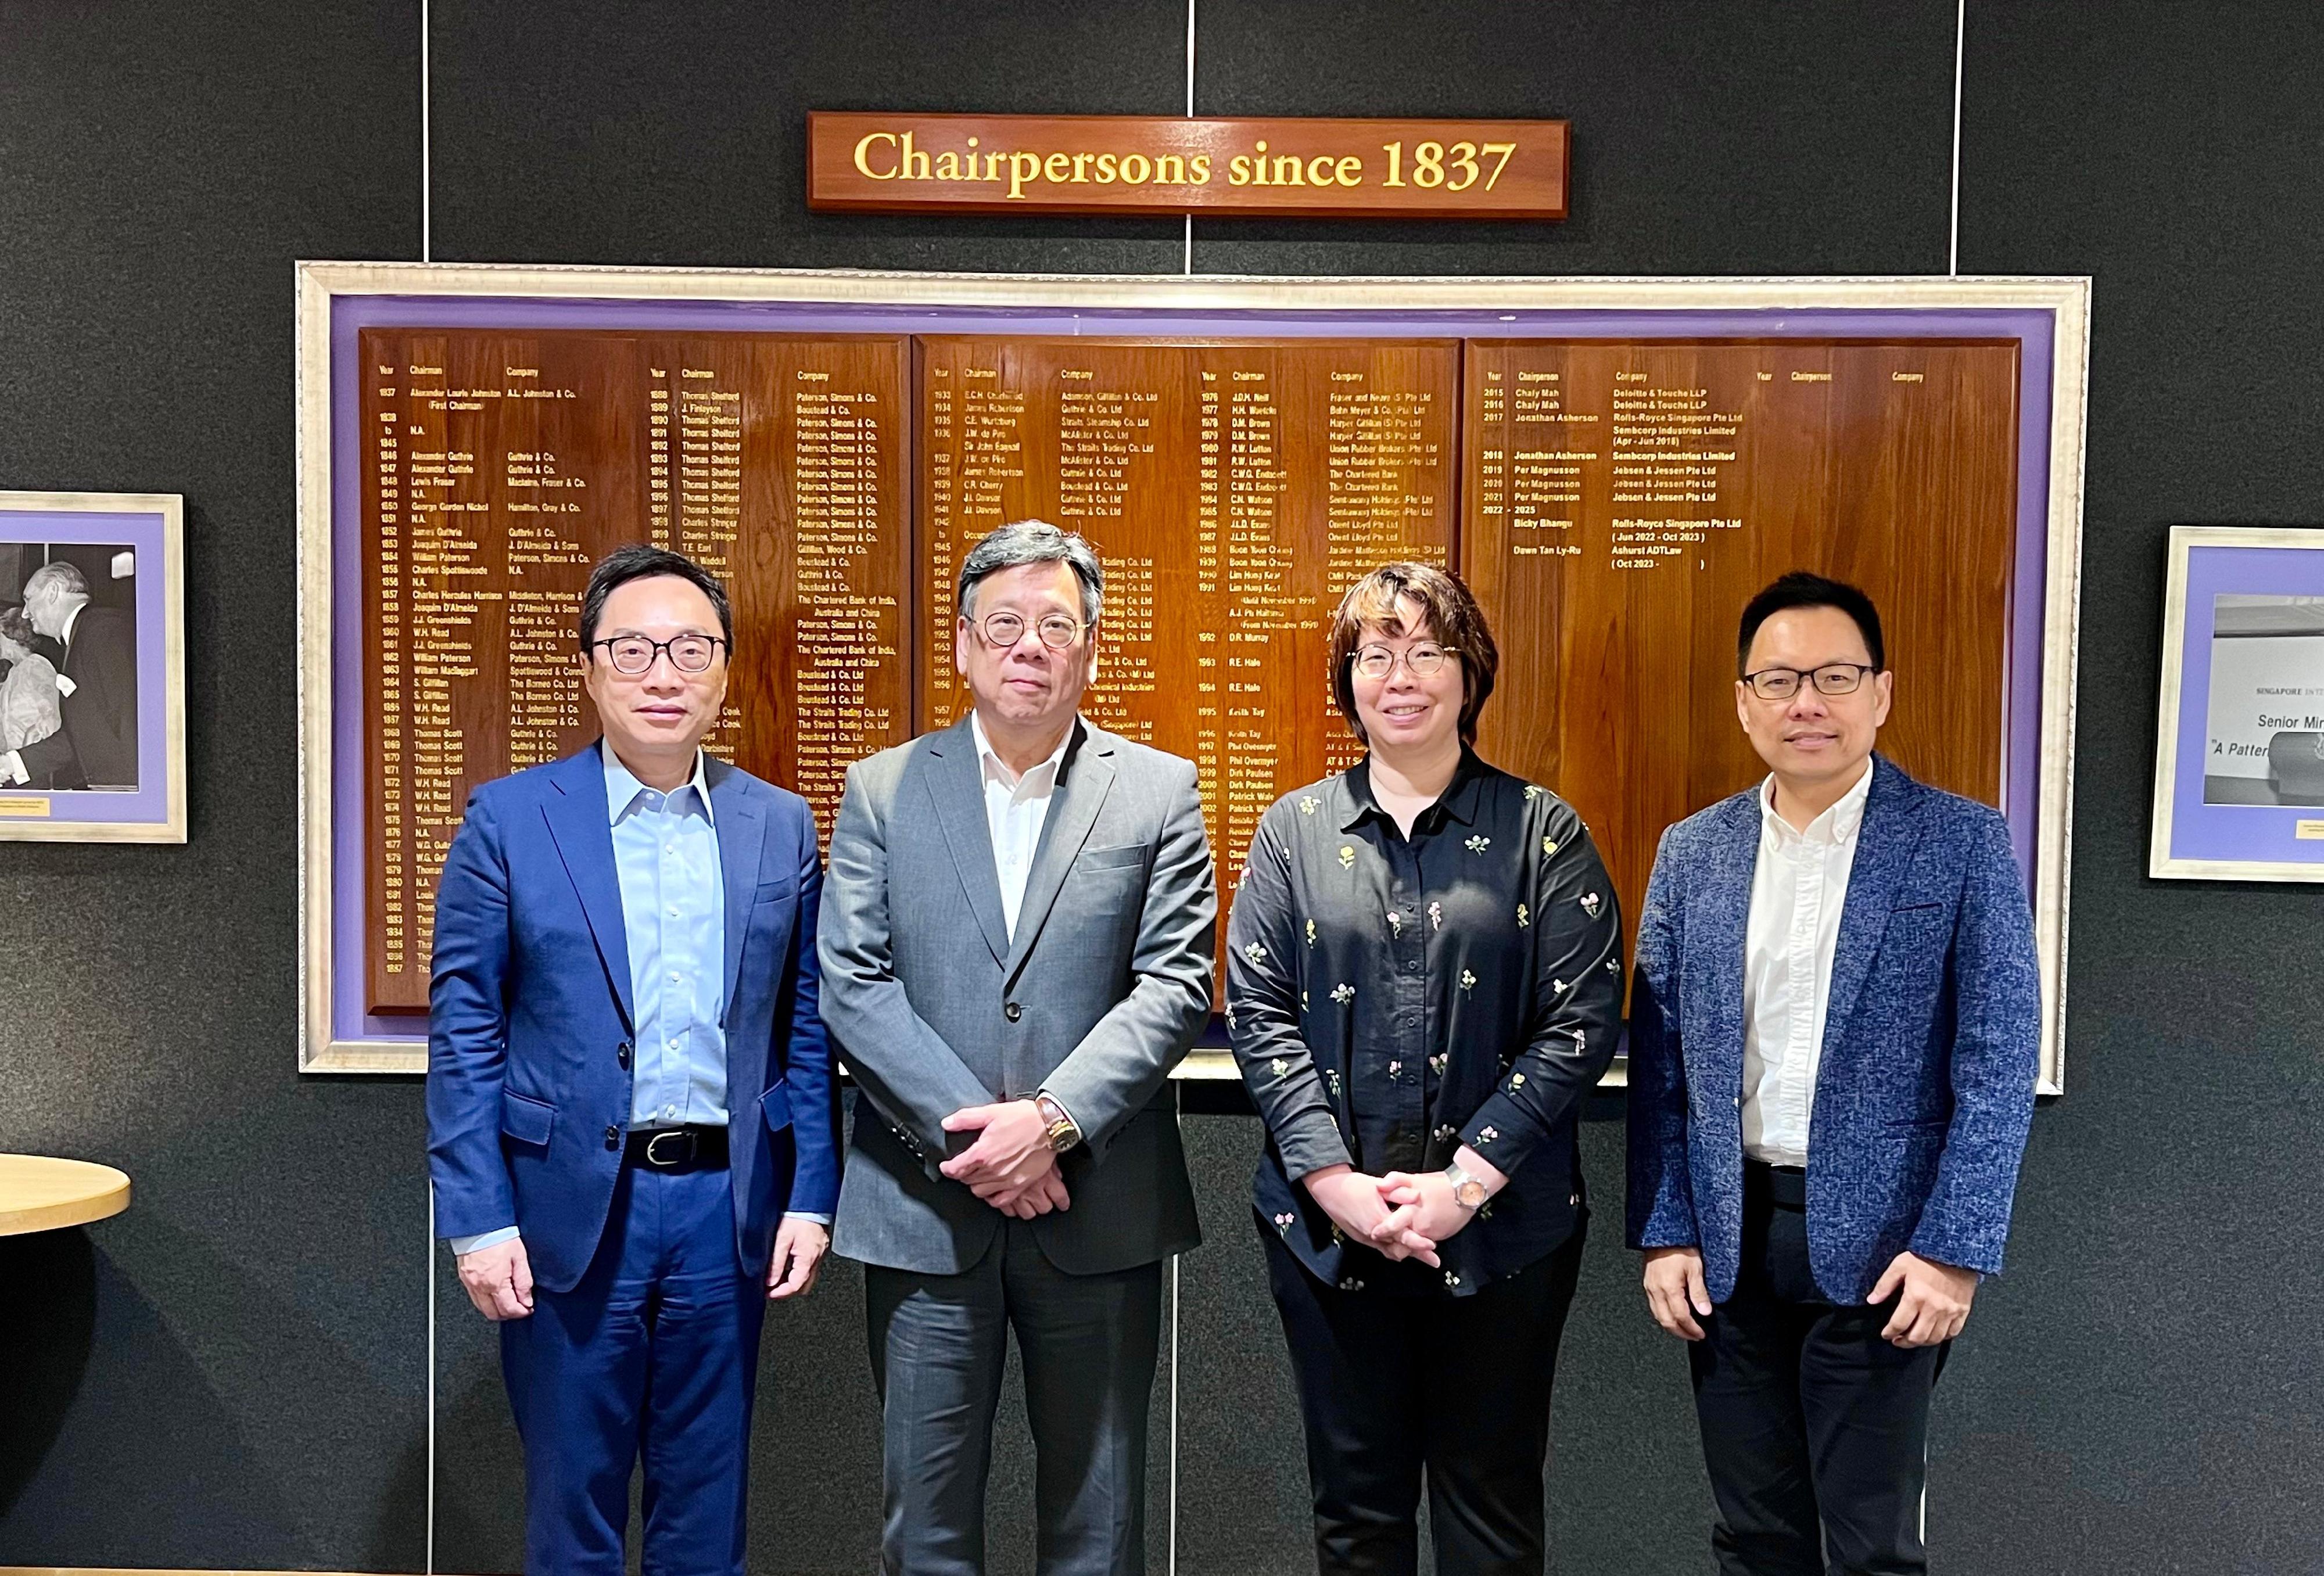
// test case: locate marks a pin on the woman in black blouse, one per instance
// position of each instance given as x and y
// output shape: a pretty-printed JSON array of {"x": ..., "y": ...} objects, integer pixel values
[{"x": 1424, "y": 979}]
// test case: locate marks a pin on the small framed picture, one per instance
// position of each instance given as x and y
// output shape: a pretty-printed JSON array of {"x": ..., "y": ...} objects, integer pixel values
[
  {"x": 2240, "y": 758},
  {"x": 92, "y": 668}
]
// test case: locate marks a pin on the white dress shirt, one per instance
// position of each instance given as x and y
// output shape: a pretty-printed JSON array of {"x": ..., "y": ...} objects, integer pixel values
[
  {"x": 1015, "y": 808},
  {"x": 1798, "y": 889}
]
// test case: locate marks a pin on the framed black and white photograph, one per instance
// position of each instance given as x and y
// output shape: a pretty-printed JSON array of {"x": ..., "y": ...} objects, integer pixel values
[{"x": 92, "y": 673}]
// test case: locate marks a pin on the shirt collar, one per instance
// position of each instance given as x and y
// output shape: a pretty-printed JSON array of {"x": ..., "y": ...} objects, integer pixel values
[
  {"x": 72, "y": 622},
  {"x": 1040, "y": 776},
  {"x": 623, "y": 787},
  {"x": 1839, "y": 824},
  {"x": 1457, "y": 801}
]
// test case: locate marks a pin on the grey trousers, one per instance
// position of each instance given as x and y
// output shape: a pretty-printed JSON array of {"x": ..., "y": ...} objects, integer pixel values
[{"x": 1089, "y": 1344}]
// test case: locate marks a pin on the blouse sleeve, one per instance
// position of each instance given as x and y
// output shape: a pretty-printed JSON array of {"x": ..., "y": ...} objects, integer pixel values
[
  {"x": 1577, "y": 997},
  {"x": 1263, "y": 1012}
]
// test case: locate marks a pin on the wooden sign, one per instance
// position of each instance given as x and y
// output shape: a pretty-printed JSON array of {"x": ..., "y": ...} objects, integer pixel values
[{"x": 1161, "y": 165}]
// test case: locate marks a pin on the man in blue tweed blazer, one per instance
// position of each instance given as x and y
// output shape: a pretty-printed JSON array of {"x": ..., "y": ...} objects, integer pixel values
[{"x": 1835, "y": 1034}]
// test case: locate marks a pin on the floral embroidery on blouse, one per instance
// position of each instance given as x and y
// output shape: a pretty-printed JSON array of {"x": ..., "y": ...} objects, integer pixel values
[
  {"x": 1309, "y": 804},
  {"x": 1548, "y": 845},
  {"x": 1279, "y": 1067},
  {"x": 1450, "y": 1279},
  {"x": 1533, "y": 791},
  {"x": 1394, "y": 923},
  {"x": 1487, "y": 1135},
  {"x": 1559, "y": 986},
  {"x": 1436, "y": 916},
  {"x": 1351, "y": 1284},
  {"x": 1332, "y": 1078},
  {"x": 1517, "y": 1081},
  {"x": 1436, "y": 1062},
  {"x": 1347, "y": 857},
  {"x": 1311, "y": 933},
  {"x": 1591, "y": 903},
  {"x": 1443, "y": 1133},
  {"x": 1283, "y": 1223},
  {"x": 1255, "y": 953},
  {"x": 1394, "y": 1068},
  {"x": 1524, "y": 917},
  {"x": 1479, "y": 843},
  {"x": 1468, "y": 979},
  {"x": 1344, "y": 994}
]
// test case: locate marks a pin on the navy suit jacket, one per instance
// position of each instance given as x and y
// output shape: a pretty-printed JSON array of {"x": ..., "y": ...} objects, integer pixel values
[
  {"x": 1931, "y": 1044},
  {"x": 529, "y": 1019}
]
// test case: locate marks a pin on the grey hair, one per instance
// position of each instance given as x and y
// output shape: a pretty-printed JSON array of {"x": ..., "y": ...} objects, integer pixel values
[
  {"x": 1034, "y": 542},
  {"x": 62, "y": 574}
]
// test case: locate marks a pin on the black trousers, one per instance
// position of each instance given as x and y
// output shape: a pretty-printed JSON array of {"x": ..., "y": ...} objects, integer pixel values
[
  {"x": 1814, "y": 1428},
  {"x": 1459, "y": 1387}
]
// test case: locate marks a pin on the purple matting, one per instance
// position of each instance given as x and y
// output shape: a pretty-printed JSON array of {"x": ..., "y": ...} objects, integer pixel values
[
  {"x": 148, "y": 805},
  {"x": 2232, "y": 832},
  {"x": 2035, "y": 329}
]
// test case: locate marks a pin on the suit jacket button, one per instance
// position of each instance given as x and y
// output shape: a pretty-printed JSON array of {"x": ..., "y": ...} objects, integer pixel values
[
  {"x": 622, "y": 1053},
  {"x": 613, "y": 1138},
  {"x": 1012, "y": 1012}
]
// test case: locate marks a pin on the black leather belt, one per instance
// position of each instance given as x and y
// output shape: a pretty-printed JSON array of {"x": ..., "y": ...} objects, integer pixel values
[
  {"x": 677, "y": 1149},
  {"x": 1784, "y": 1187}
]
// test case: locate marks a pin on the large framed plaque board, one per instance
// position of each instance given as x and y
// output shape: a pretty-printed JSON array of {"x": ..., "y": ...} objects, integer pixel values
[{"x": 1613, "y": 464}]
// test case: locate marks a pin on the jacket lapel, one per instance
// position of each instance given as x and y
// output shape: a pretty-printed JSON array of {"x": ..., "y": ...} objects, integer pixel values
[
  {"x": 1725, "y": 916},
  {"x": 956, "y": 788},
  {"x": 1884, "y": 846},
  {"x": 742, "y": 825},
  {"x": 1084, "y": 777},
  {"x": 576, "y": 812}
]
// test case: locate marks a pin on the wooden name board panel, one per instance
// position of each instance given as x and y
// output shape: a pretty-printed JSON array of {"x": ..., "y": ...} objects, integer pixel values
[
  {"x": 880, "y": 162},
  {"x": 1623, "y": 500},
  {"x": 498, "y": 466},
  {"x": 1234, "y": 491}
]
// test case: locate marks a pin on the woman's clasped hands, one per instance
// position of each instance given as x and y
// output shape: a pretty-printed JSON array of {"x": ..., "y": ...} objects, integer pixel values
[{"x": 1404, "y": 1214}]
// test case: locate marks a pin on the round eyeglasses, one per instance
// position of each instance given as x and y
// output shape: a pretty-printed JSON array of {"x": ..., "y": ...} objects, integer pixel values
[
  {"x": 1376, "y": 662},
  {"x": 1831, "y": 679},
  {"x": 1003, "y": 631},
  {"x": 634, "y": 654}
]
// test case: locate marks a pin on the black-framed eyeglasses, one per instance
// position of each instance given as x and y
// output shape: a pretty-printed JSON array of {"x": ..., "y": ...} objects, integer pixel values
[
  {"x": 1422, "y": 660},
  {"x": 1003, "y": 631},
  {"x": 635, "y": 654},
  {"x": 1831, "y": 679}
]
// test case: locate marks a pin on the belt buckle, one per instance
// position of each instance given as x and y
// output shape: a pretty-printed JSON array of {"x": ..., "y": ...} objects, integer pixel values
[{"x": 655, "y": 1158}]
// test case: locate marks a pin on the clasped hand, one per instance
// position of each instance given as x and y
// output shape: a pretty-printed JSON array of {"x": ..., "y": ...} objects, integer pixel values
[
  {"x": 1011, "y": 1165},
  {"x": 1404, "y": 1214}
]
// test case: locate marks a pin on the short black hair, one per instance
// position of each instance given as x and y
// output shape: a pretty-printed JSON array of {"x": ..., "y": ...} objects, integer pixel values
[
  {"x": 1801, "y": 589},
  {"x": 641, "y": 561}
]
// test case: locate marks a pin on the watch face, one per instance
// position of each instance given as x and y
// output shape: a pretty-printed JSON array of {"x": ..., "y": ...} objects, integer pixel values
[{"x": 1471, "y": 1194}]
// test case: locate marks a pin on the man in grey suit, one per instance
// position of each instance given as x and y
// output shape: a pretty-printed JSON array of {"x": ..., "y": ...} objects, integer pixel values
[{"x": 1016, "y": 943}]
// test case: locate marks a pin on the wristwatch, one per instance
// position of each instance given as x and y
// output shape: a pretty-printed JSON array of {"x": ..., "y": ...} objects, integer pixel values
[
  {"x": 1468, "y": 1192},
  {"x": 1057, "y": 1127}
]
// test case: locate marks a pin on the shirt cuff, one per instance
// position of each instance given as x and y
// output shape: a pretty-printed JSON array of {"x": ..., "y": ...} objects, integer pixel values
[
  {"x": 1310, "y": 1144},
  {"x": 11, "y": 768},
  {"x": 464, "y": 1245},
  {"x": 823, "y": 1220}
]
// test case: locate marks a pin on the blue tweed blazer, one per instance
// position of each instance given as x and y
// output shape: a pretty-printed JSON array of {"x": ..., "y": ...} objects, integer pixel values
[{"x": 1932, "y": 1042}]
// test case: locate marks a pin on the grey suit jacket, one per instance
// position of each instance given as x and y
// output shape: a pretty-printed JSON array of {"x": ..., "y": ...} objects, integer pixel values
[{"x": 935, "y": 1007}]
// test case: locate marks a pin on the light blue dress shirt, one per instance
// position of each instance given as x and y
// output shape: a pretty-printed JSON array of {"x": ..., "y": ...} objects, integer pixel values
[
  {"x": 673, "y": 917},
  {"x": 674, "y": 914}
]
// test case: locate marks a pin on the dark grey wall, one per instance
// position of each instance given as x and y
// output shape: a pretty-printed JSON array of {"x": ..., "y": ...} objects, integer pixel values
[{"x": 236, "y": 1372}]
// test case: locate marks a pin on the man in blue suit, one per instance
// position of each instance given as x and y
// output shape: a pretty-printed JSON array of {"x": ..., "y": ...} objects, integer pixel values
[
  {"x": 632, "y": 1126},
  {"x": 1836, "y": 1022}
]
